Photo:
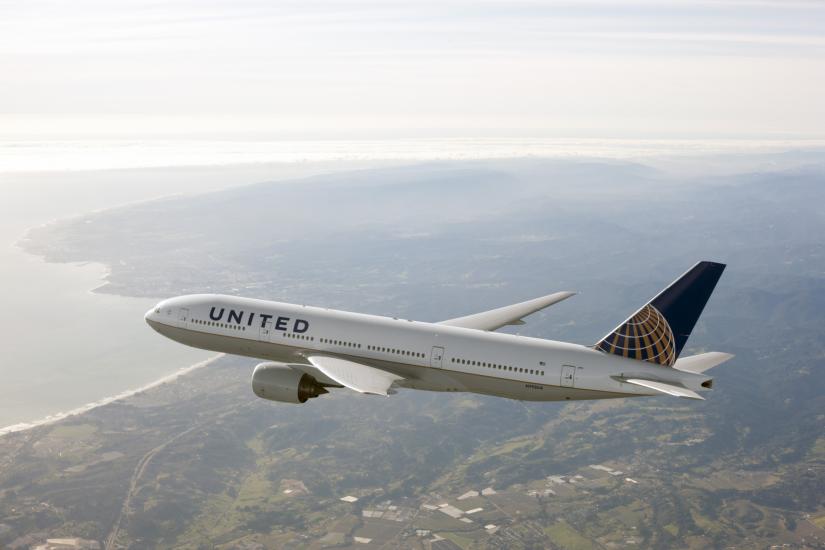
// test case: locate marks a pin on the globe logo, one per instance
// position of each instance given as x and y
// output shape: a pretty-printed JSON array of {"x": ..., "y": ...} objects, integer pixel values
[{"x": 646, "y": 336}]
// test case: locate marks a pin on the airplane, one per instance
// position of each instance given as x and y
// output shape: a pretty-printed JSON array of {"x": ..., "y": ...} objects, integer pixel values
[{"x": 311, "y": 350}]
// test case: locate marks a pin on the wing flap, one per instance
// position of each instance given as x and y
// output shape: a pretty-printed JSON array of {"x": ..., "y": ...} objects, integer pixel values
[
  {"x": 507, "y": 315},
  {"x": 355, "y": 376},
  {"x": 668, "y": 389}
]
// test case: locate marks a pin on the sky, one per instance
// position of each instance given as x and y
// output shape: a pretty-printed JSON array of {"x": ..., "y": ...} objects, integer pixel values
[{"x": 384, "y": 69}]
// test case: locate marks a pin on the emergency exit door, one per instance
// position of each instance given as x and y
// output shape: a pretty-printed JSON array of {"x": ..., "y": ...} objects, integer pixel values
[
  {"x": 437, "y": 357},
  {"x": 568, "y": 376}
]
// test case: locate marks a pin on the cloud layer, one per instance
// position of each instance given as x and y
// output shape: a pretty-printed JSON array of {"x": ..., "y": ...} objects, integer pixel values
[{"x": 485, "y": 68}]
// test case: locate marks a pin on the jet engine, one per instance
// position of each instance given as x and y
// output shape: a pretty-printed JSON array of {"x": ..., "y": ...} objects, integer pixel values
[{"x": 278, "y": 382}]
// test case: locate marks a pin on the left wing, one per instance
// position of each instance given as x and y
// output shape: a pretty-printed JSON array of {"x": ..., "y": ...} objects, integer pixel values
[
  {"x": 355, "y": 376},
  {"x": 507, "y": 315}
]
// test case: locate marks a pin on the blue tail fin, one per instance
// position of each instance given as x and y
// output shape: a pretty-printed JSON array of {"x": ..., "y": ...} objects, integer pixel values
[{"x": 658, "y": 331}]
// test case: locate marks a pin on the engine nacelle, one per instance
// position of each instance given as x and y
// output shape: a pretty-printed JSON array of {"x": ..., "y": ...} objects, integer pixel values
[{"x": 278, "y": 382}]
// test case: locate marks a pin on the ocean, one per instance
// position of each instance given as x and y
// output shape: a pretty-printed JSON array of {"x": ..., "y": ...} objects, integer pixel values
[{"x": 64, "y": 346}]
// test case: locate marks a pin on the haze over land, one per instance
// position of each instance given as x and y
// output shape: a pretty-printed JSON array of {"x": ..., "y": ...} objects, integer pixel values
[{"x": 202, "y": 461}]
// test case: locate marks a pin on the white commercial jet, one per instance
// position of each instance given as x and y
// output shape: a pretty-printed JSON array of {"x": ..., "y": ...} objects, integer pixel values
[{"x": 312, "y": 349}]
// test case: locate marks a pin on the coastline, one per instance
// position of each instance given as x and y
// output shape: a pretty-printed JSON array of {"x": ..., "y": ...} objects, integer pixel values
[
  {"x": 220, "y": 177},
  {"x": 51, "y": 419},
  {"x": 93, "y": 276},
  {"x": 105, "y": 272},
  {"x": 106, "y": 269}
]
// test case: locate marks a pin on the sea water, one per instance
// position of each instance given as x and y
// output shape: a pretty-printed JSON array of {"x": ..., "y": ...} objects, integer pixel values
[{"x": 63, "y": 346}]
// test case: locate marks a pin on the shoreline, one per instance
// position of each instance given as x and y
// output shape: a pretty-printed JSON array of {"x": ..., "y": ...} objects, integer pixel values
[
  {"x": 106, "y": 269},
  {"x": 102, "y": 273},
  {"x": 22, "y": 242},
  {"x": 57, "y": 417}
]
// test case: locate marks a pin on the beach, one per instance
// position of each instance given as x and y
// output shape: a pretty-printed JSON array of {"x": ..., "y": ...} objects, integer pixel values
[{"x": 66, "y": 347}]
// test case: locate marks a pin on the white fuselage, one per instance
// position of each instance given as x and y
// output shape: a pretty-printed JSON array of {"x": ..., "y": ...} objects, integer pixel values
[{"x": 428, "y": 356}]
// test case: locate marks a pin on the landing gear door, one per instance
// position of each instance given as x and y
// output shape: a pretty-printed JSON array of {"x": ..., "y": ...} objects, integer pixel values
[
  {"x": 437, "y": 357},
  {"x": 568, "y": 376}
]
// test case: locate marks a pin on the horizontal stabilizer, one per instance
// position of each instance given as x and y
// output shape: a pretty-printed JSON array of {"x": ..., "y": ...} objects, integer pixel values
[
  {"x": 668, "y": 389},
  {"x": 355, "y": 376},
  {"x": 700, "y": 363},
  {"x": 507, "y": 315}
]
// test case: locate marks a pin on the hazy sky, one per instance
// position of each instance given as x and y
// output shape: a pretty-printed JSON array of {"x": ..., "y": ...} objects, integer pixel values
[{"x": 751, "y": 69}]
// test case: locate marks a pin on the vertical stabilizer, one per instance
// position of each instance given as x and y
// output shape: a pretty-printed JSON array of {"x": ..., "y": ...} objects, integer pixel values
[{"x": 658, "y": 331}]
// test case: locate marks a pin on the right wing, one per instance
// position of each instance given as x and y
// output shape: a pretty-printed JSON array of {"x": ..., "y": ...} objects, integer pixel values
[{"x": 507, "y": 315}]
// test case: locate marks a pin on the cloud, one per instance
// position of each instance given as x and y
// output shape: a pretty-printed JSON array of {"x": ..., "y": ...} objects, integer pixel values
[{"x": 611, "y": 68}]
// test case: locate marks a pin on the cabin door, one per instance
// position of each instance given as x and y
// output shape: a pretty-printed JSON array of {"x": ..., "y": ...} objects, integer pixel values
[
  {"x": 568, "y": 376},
  {"x": 437, "y": 357},
  {"x": 266, "y": 331},
  {"x": 183, "y": 315}
]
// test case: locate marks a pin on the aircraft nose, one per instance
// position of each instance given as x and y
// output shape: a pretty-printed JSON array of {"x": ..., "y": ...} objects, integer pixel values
[{"x": 151, "y": 316}]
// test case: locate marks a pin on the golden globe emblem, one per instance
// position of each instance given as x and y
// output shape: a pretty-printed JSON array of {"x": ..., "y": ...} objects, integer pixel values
[{"x": 646, "y": 336}]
